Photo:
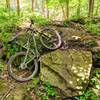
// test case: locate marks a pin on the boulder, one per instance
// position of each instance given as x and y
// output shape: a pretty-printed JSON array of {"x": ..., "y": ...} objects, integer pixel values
[{"x": 68, "y": 70}]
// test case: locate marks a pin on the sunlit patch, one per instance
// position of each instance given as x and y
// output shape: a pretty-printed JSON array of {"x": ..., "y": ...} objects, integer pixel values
[
  {"x": 90, "y": 65},
  {"x": 77, "y": 79},
  {"x": 70, "y": 82},
  {"x": 75, "y": 71},
  {"x": 73, "y": 68},
  {"x": 78, "y": 87},
  {"x": 81, "y": 74},
  {"x": 82, "y": 78}
]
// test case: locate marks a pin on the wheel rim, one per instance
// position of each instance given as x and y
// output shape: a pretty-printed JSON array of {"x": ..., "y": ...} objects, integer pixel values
[
  {"x": 50, "y": 41},
  {"x": 22, "y": 74}
]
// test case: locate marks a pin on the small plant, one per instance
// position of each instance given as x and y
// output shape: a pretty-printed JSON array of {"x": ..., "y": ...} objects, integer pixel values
[
  {"x": 96, "y": 76},
  {"x": 49, "y": 89},
  {"x": 66, "y": 23},
  {"x": 97, "y": 55},
  {"x": 43, "y": 91},
  {"x": 88, "y": 95},
  {"x": 10, "y": 49},
  {"x": 90, "y": 43},
  {"x": 93, "y": 27},
  {"x": 42, "y": 95},
  {"x": 46, "y": 92},
  {"x": 33, "y": 85}
]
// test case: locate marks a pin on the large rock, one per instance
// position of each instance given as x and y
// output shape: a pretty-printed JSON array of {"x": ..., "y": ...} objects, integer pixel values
[{"x": 69, "y": 70}]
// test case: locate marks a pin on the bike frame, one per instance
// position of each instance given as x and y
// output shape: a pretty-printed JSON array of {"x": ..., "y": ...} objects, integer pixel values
[{"x": 36, "y": 54}]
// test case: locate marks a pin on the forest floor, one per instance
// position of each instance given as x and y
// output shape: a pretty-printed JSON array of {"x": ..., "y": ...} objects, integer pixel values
[{"x": 12, "y": 90}]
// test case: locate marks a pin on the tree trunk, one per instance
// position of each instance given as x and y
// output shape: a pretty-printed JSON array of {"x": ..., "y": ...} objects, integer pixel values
[
  {"x": 47, "y": 13},
  {"x": 91, "y": 8},
  {"x": 8, "y": 4},
  {"x": 63, "y": 12},
  {"x": 47, "y": 10},
  {"x": 18, "y": 7},
  {"x": 67, "y": 9},
  {"x": 32, "y": 2},
  {"x": 97, "y": 9},
  {"x": 78, "y": 8},
  {"x": 43, "y": 7}
]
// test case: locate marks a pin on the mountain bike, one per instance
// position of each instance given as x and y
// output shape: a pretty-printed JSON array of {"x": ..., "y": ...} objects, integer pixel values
[{"x": 23, "y": 66}]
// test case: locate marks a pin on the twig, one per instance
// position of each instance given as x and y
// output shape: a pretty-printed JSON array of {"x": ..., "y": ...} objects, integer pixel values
[{"x": 8, "y": 92}]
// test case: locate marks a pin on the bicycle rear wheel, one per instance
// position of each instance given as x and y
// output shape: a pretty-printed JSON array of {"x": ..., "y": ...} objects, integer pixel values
[
  {"x": 50, "y": 39},
  {"x": 22, "y": 74}
]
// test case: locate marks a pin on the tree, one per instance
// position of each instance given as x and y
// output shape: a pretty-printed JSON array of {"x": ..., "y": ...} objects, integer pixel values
[
  {"x": 32, "y": 2},
  {"x": 79, "y": 8},
  {"x": 97, "y": 8},
  {"x": 67, "y": 9},
  {"x": 91, "y": 8},
  {"x": 8, "y": 4},
  {"x": 47, "y": 9},
  {"x": 43, "y": 7},
  {"x": 18, "y": 7}
]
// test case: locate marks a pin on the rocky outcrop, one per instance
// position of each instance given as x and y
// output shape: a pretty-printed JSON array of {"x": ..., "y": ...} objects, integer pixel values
[{"x": 68, "y": 70}]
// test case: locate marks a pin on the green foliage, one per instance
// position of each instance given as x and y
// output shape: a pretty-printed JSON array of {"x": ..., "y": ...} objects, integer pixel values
[
  {"x": 97, "y": 73},
  {"x": 8, "y": 21},
  {"x": 63, "y": 1},
  {"x": 95, "y": 78},
  {"x": 11, "y": 49},
  {"x": 5, "y": 37},
  {"x": 43, "y": 91},
  {"x": 88, "y": 95},
  {"x": 1, "y": 67},
  {"x": 33, "y": 84},
  {"x": 42, "y": 95},
  {"x": 49, "y": 89},
  {"x": 39, "y": 20},
  {"x": 46, "y": 92},
  {"x": 51, "y": 3},
  {"x": 90, "y": 43},
  {"x": 93, "y": 26},
  {"x": 66, "y": 23}
]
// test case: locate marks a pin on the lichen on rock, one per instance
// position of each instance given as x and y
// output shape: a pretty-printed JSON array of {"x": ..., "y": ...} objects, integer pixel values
[{"x": 69, "y": 70}]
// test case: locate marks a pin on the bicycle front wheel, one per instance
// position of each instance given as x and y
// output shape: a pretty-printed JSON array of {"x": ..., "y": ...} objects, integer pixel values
[
  {"x": 50, "y": 39},
  {"x": 21, "y": 72}
]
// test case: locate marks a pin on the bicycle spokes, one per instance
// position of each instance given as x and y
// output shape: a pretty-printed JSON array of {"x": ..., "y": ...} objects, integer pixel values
[
  {"x": 50, "y": 39},
  {"x": 23, "y": 69}
]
